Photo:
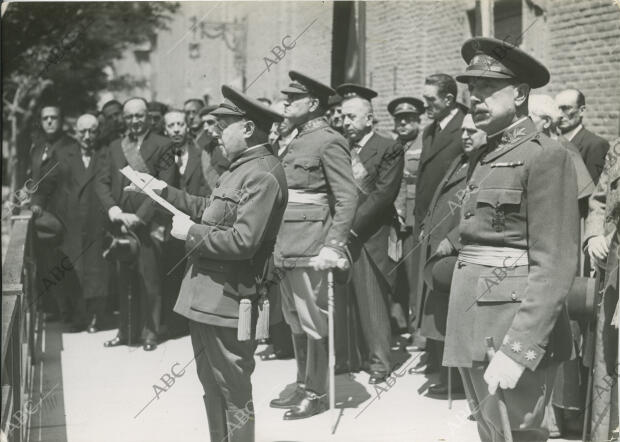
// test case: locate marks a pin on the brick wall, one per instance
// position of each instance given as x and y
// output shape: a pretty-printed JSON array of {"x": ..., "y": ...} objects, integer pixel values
[{"x": 578, "y": 40}]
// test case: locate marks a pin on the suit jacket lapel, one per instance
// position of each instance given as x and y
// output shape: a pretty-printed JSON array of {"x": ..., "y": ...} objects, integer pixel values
[
  {"x": 578, "y": 138},
  {"x": 443, "y": 138},
  {"x": 369, "y": 150},
  {"x": 193, "y": 160}
]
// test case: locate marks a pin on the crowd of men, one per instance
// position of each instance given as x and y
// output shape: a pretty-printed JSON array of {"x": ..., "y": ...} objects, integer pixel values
[{"x": 471, "y": 232}]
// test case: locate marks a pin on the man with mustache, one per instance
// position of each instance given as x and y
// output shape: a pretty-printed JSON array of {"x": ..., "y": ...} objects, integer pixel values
[{"x": 518, "y": 229}]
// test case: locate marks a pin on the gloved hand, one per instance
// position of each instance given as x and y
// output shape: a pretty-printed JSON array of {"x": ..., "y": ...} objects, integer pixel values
[
  {"x": 36, "y": 210},
  {"x": 327, "y": 258},
  {"x": 444, "y": 248},
  {"x": 503, "y": 372},
  {"x": 181, "y": 226},
  {"x": 598, "y": 248},
  {"x": 130, "y": 220}
]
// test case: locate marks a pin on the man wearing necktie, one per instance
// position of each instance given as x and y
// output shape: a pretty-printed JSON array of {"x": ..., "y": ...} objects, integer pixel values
[
  {"x": 134, "y": 212},
  {"x": 48, "y": 171},
  {"x": 441, "y": 144},
  {"x": 189, "y": 178},
  {"x": 378, "y": 165}
]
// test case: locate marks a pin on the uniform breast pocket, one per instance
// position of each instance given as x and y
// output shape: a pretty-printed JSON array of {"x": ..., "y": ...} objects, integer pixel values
[
  {"x": 223, "y": 208},
  {"x": 309, "y": 169},
  {"x": 501, "y": 209}
]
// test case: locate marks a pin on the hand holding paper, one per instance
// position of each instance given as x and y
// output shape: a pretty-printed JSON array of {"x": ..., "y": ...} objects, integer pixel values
[{"x": 149, "y": 181}]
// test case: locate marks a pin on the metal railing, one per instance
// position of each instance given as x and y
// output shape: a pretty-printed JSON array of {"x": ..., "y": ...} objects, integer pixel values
[{"x": 19, "y": 319}]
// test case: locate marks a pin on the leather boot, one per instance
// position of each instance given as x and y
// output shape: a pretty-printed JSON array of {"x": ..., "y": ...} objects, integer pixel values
[
  {"x": 216, "y": 417},
  {"x": 312, "y": 404},
  {"x": 240, "y": 425},
  {"x": 317, "y": 379},
  {"x": 300, "y": 346}
]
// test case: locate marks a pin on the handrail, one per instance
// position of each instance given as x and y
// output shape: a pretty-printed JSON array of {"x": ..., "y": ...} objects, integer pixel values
[{"x": 19, "y": 316}]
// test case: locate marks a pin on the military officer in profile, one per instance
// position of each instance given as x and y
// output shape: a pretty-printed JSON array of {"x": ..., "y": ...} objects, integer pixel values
[
  {"x": 322, "y": 203},
  {"x": 519, "y": 228},
  {"x": 228, "y": 247}
]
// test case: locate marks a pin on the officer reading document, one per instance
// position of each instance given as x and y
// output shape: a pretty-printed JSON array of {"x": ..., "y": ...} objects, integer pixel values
[
  {"x": 519, "y": 230},
  {"x": 228, "y": 246}
]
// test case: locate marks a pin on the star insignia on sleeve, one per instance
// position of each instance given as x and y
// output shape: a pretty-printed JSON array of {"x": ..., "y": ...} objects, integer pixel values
[
  {"x": 530, "y": 355},
  {"x": 516, "y": 347}
]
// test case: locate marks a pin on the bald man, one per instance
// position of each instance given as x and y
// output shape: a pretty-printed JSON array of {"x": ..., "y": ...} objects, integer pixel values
[
  {"x": 133, "y": 216},
  {"x": 83, "y": 216},
  {"x": 378, "y": 165},
  {"x": 572, "y": 104}
]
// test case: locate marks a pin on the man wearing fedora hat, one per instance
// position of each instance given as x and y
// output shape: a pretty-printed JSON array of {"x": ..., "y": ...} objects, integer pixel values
[
  {"x": 438, "y": 250},
  {"x": 518, "y": 229},
  {"x": 313, "y": 236},
  {"x": 229, "y": 238}
]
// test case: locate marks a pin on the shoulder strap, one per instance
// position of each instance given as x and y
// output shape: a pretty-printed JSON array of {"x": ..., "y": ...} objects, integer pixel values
[{"x": 133, "y": 156}]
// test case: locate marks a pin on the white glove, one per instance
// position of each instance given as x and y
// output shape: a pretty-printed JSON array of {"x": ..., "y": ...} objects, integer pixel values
[
  {"x": 181, "y": 226},
  {"x": 503, "y": 372},
  {"x": 114, "y": 213},
  {"x": 598, "y": 248},
  {"x": 444, "y": 248},
  {"x": 327, "y": 258}
]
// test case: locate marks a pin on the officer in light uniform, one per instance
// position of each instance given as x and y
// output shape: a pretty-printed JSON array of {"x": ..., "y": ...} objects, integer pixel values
[
  {"x": 519, "y": 228},
  {"x": 313, "y": 236}
]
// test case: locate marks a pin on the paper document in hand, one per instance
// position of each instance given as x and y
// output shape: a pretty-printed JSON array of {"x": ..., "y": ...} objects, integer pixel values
[{"x": 141, "y": 184}]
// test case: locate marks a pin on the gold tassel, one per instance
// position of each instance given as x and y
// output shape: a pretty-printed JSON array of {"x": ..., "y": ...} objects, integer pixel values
[
  {"x": 262, "y": 325},
  {"x": 244, "y": 328}
]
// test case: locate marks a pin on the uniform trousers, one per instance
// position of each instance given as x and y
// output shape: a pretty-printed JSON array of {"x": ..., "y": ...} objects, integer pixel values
[
  {"x": 225, "y": 365},
  {"x": 372, "y": 296},
  {"x": 304, "y": 305},
  {"x": 526, "y": 403}
]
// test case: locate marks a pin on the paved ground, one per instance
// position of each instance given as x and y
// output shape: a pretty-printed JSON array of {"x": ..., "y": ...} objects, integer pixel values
[{"x": 88, "y": 393}]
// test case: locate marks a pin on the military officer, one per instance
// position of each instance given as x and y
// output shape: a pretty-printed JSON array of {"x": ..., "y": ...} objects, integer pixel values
[
  {"x": 519, "y": 228},
  {"x": 322, "y": 202},
  {"x": 228, "y": 248},
  {"x": 406, "y": 113}
]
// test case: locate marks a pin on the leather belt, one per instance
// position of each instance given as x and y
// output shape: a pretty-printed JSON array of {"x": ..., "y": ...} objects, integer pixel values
[{"x": 303, "y": 197}]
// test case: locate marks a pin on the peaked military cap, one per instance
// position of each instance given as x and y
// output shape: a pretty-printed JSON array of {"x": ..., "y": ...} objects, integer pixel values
[
  {"x": 240, "y": 105},
  {"x": 493, "y": 58},
  {"x": 156, "y": 106},
  {"x": 208, "y": 109},
  {"x": 302, "y": 84},
  {"x": 405, "y": 105},
  {"x": 334, "y": 100},
  {"x": 348, "y": 90}
]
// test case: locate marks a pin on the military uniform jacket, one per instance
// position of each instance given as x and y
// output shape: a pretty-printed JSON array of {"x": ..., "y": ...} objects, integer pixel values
[
  {"x": 317, "y": 161},
  {"x": 405, "y": 201},
  {"x": 522, "y": 194},
  {"x": 229, "y": 248},
  {"x": 382, "y": 159}
]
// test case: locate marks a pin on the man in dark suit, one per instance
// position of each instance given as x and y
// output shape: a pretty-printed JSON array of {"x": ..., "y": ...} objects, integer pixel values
[
  {"x": 378, "y": 165},
  {"x": 593, "y": 148},
  {"x": 135, "y": 214},
  {"x": 443, "y": 241},
  {"x": 192, "y": 109},
  {"x": 441, "y": 144},
  {"x": 188, "y": 177},
  {"x": 48, "y": 157},
  {"x": 228, "y": 251},
  {"x": 84, "y": 219}
]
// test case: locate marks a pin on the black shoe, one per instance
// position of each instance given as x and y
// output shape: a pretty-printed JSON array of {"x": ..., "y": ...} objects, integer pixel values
[
  {"x": 376, "y": 377},
  {"x": 289, "y": 401},
  {"x": 310, "y": 405},
  {"x": 115, "y": 342},
  {"x": 149, "y": 346}
]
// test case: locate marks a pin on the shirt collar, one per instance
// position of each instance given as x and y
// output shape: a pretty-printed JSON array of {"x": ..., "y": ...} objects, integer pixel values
[
  {"x": 250, "y": 153},
  {"x": 570, "y": 135},
  {"x": 445, "y": 120},
  {"x": 365, "y": 138}
]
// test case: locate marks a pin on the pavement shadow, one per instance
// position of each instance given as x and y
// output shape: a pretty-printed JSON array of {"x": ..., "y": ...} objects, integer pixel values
[{"x": 349, "y": 392}]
